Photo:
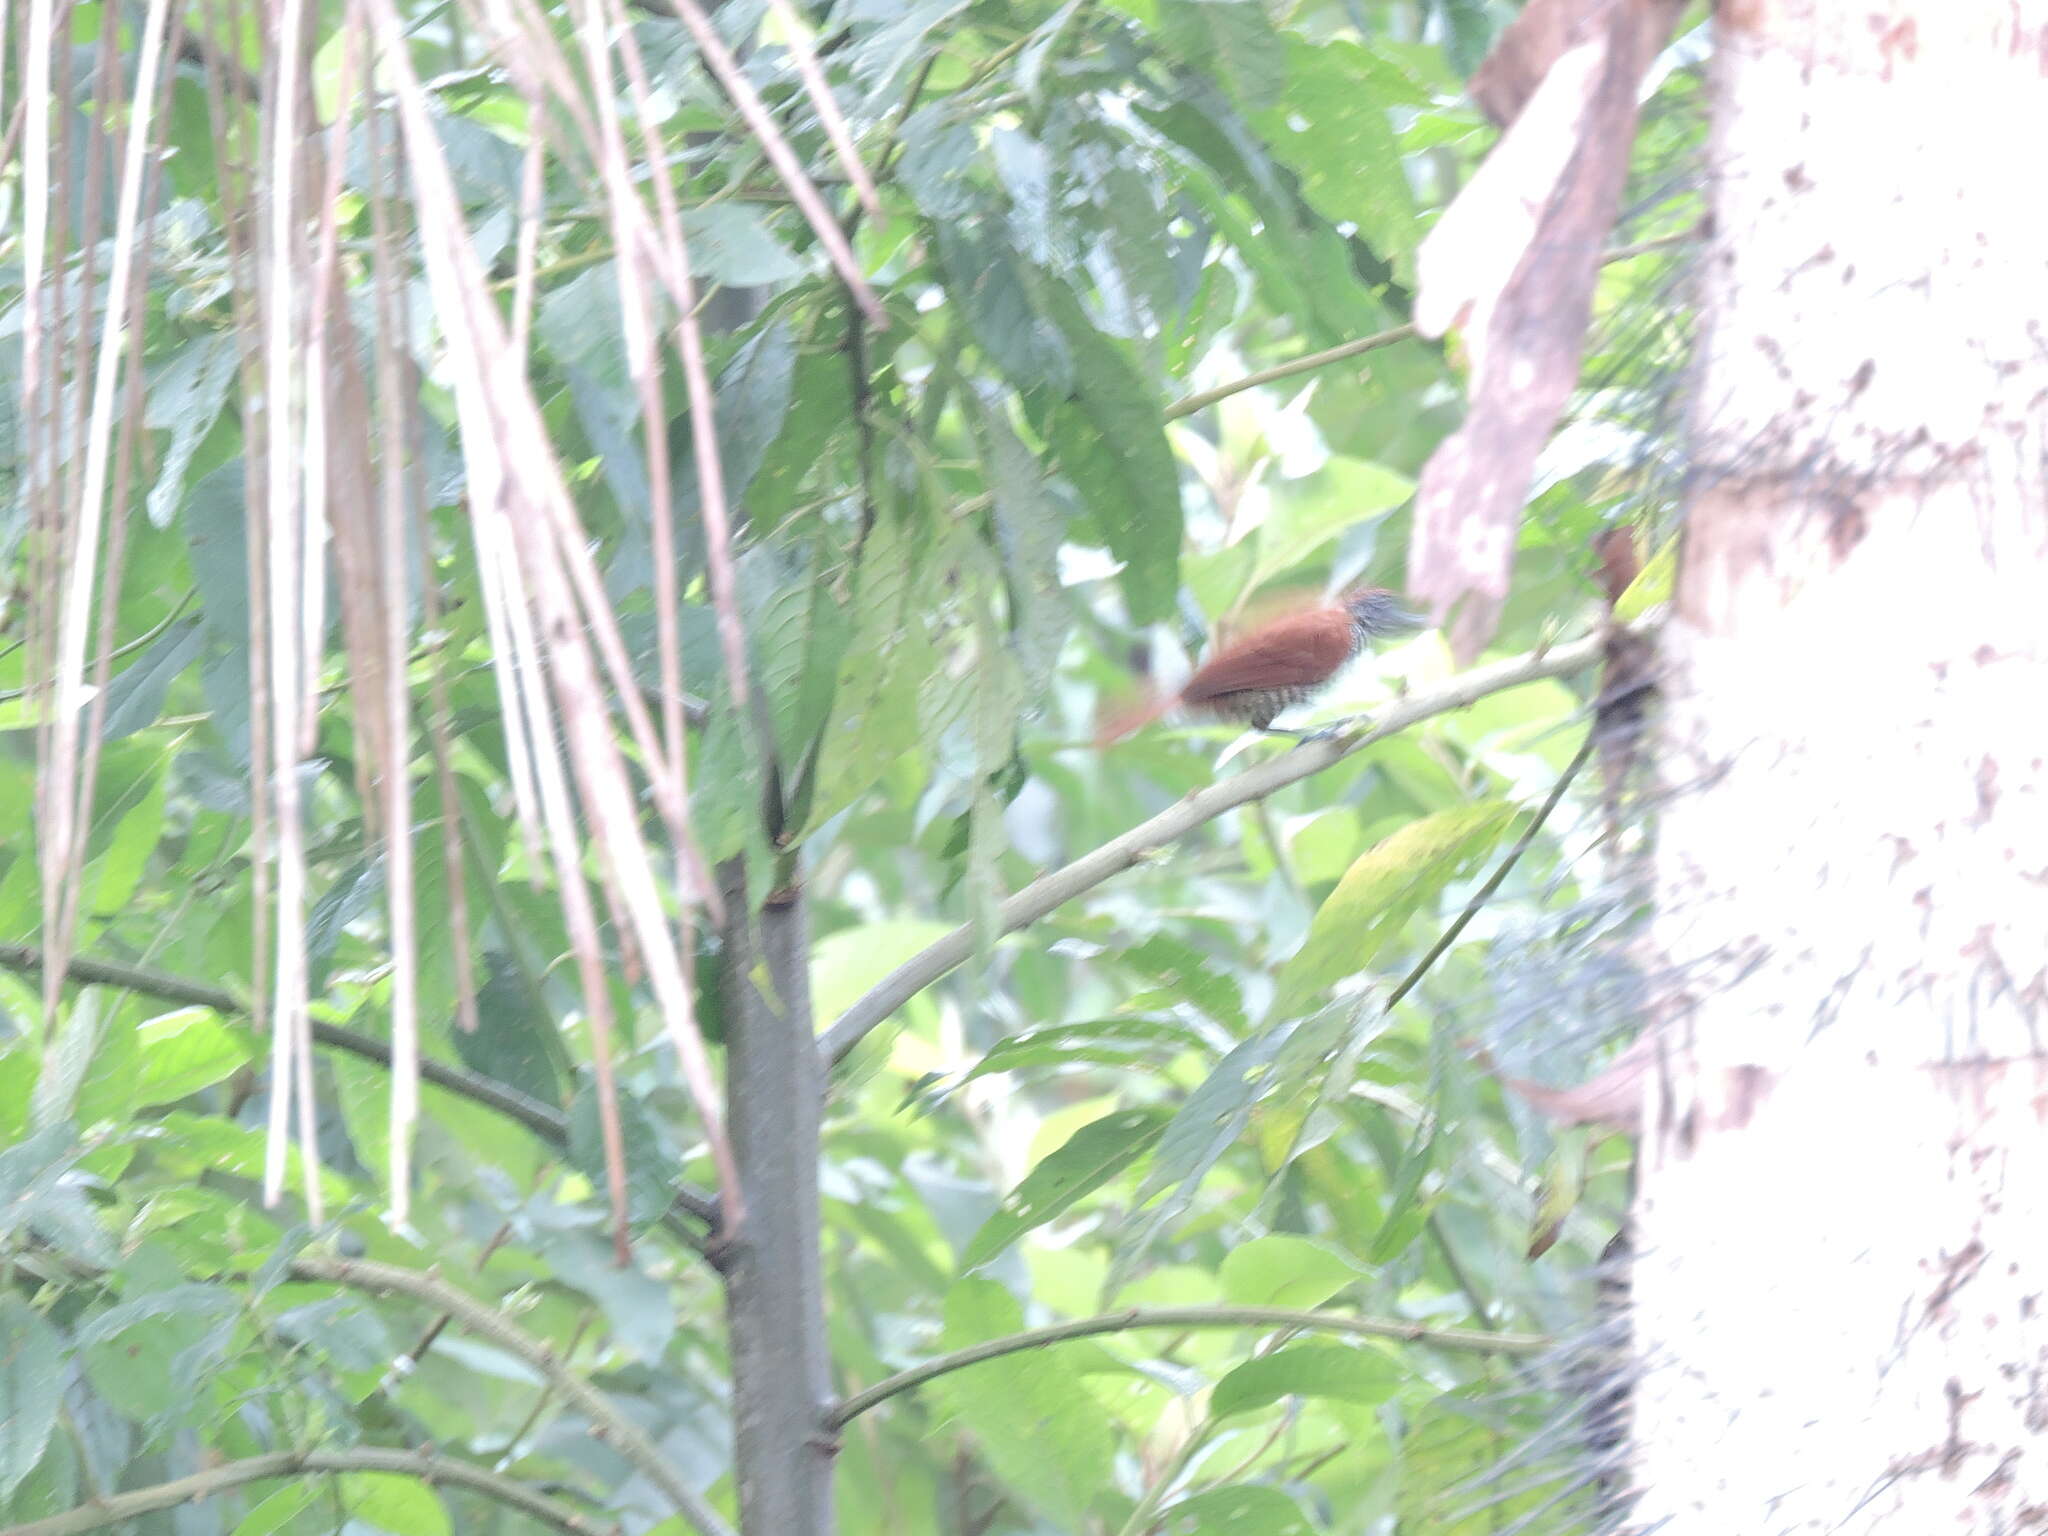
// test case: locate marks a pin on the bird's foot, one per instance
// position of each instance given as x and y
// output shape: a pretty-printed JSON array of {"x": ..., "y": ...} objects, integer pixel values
[{"x": 1329, "y": 732}]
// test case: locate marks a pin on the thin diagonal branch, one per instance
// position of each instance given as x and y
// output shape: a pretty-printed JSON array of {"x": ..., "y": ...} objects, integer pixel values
[
  {"x": 544, "y": 1120},
  {"x": 1485, "y": 892},
  {"x": 1189, "y": 404},
  {"x": 120, "y": 1508},
  {"x": 1184, "y": 1317},
  {"x": 606, "y": 1417},
  {"x": 1048, "y": 892}
]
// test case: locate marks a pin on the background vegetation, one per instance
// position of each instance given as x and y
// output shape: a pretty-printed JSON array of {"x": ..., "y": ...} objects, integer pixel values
[{"x": 1093, "y": 416}]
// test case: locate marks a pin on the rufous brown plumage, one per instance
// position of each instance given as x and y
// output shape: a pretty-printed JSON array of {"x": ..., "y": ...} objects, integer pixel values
[{"x": 1281, "y": 663}]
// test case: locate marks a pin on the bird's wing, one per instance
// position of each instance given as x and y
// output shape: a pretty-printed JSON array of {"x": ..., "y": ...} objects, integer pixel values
[{"x": 1295, "y": 652}]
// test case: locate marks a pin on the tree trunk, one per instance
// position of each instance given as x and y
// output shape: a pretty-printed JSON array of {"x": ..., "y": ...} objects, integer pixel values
[
  {"x": 774, "y": 1278},
  {"x": 1844, "y": 1195}
]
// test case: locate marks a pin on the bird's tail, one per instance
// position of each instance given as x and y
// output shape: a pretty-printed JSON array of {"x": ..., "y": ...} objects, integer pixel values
[{"x": 1130, "y": 714}]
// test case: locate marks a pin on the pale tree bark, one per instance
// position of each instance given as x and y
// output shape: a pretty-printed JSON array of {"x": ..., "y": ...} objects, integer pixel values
[{"x": 1842, "y": 1234}]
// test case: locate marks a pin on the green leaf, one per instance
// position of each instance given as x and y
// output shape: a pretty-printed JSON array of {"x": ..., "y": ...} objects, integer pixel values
[
  {"x": 1026, "y": 173},
  {"x": 844, "y": 965},
  {"x": 1453, "y": 1445},
  {"x": 1407, "y": 1209},
  {"x": 753, "y": 407},
  {"x": 876, "y": 696},
  {"x": 1029, "y": 527},
  {"x": 386, "y": 1501},
  {"x": 148, "y": 1356},
  {"x": 1090, "y": 1158},
  {"x": 815, "y": 409},
  {"x": 1349, "y": 1373},
  {"x": 135, "y": 695},
  {"x": 1308, "y": 514},
  {"x": 1332, "y": 131},
  {"x": 640, "y": 1309},
  {"x": 1653, "y": 584},
  {"x": 136, "y": 811},
  {"x": 183, "y": 1052},
  {"x": 216, "y": 542},
  {"x": 1111, "y": 442},
  {"x": 939, "y": 151},
  {"x": 1188, "y": 976},
  {"x": 990, "y": 283},
  {"x": 730, "y": 245},
  {"x": 1283, "y": 1270},
  {"x": 280, "y": 1510},
  {"x": 1385, "y": 886},
  {"x": 516, "y": 1039},
  {"x": 1237, "y": 1512},
  {"x": 186, "y": 393},
  {"x": 650, "y": 1162},
  {"x": 1104, "y": 1042},
  {"x": 31, "y": 1383},
  {"x": 1232, "y": 39},
  {"x": 799, "y": 635},
  {"x": 67, "y": 1065},
  {"x": 1210, "y": 1122},
  {"x": 1046, "y": 1437}
]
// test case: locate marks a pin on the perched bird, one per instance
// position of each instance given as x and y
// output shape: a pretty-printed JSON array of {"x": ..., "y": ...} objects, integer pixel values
[{"x": 1275, "y": 666}]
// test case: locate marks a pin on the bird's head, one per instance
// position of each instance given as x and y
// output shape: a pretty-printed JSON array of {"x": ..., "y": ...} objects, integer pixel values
[{"x": 1375, "y": 612}]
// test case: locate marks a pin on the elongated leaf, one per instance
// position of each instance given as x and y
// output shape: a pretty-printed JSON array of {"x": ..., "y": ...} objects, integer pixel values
[
  {"x": 184, "y": 1052},
  {"x": 1047, "y": 1438},
  {"x": 1340, "y": 496},
  {"x": 1210, "y": 1122},
  {"x": 1104, "y": 1042},
  {"x": 1090, "y": 1158},
  {"x": 1235, "y": 1511},
  {"x": 1384, "y": 887},
  {"x": 31, "y": 1383},
  {"x": 1030, "y": 525},
  {"x": 1232, "y": 39},
  {"x": 1332, "y": 131},
  {"x": 404, "y": 1506},
  {"x": 1284, "y": 1270},
  {"x": 995, "y": 292},
  {"x": 135, "y": 695},
  {"x": 1111, "y": 441},
  {"x": 1350, "y": 1373},
  {"x": 185, "y": 398},
  {"x": 845, "y": 964}
]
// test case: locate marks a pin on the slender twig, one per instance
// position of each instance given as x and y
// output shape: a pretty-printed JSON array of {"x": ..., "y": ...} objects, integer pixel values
[
  {"x": 1184, "y": 1317},
  {"x": 1485, "y": 892},
  {"x": 1308, "y": 363},
  {"x": 1190, "y": 404},
  {"x": 545, "y": 1121},
  {"x": 607, "y": 1419},
  {"x": 1143, "y": 841},
  {"x": 1445, "y": 940},
  {"x": 9, "y": 695},
  {"x": 425, "y": 1466}
]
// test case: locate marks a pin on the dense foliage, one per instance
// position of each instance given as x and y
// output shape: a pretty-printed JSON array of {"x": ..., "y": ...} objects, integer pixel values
[{"x": 956, "y": 535}]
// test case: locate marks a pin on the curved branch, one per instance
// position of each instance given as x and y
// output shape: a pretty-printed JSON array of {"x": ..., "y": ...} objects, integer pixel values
[
  {"x": 1148, "y": 837},
  {"x": 606, "y": 1419},
  {"x": 544, "y": 1120},
  {"x": 1184, "y": 1317},
  {"x": 1187, "y": 405},
  {"x": 118, "y": 1508}
]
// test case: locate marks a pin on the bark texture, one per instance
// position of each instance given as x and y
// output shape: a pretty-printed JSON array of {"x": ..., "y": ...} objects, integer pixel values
[
  {"x": 774, "y": 1276},
  {"x": 1844, "y": 1195}
]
